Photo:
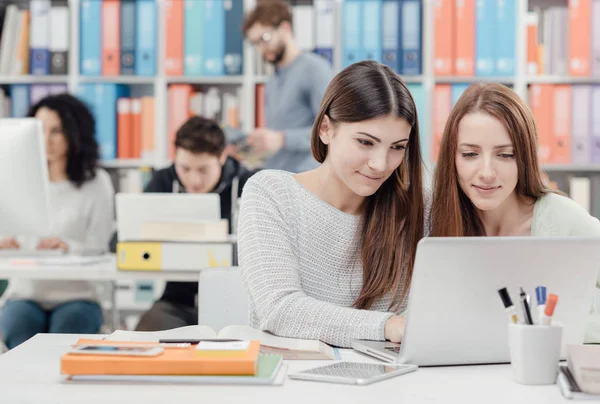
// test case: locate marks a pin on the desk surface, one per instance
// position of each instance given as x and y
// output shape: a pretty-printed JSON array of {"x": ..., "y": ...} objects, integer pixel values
[
  {"x": 31, "y": 373},
  {"x": 102, "y": 271}
]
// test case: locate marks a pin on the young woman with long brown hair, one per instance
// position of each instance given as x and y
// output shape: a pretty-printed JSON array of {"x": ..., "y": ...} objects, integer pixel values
[
  {"x": 488, "y": 181},
  {"x": 328, "y": 254}
]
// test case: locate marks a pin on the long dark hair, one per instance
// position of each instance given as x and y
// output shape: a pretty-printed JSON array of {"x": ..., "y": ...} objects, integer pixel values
[
  {"x": 79, "y": 128},
  {"x": 452, "y": 212},
  {"x": 392, "y": 218}
]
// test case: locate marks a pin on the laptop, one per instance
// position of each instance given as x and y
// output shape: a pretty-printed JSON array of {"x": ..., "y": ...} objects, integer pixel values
[{"x": 455, "y": 315}]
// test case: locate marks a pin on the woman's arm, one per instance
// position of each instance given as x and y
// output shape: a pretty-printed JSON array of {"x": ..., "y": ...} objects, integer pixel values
[{"x": 269, "y": 267}]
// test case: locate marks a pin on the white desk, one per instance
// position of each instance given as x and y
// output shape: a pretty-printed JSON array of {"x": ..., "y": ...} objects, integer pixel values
[
  {"x": 102, "y": 271},
  {"x": 30, "y": 373}
]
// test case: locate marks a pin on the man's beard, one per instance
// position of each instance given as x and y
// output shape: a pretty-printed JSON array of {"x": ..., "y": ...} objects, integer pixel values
[{"x": 279, "y": 55}]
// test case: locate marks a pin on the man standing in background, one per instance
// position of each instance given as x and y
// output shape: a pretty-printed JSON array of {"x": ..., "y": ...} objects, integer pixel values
[{"x": 292, "y": 95}]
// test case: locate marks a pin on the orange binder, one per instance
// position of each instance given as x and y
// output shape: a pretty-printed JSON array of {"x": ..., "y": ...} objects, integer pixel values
[
  {"x": 442, "y": 97},
  {"x": 561, "y": 147},
  {"x": 111, "y": 37},
  {"x": 465, "y": 38},
  {"x": 443, "y": 59},
  {"x": 542, "y": 107},
  {"x": 148, "y": 132},
  {"x": 174, "y": 37},
  {"x": 124, "y": 150},
  {"x": 173, "y": 361},
  {"x": 136, "y": 128},
  {"x": 580, "y": 37},
  {"x": 179, "y": 111}
]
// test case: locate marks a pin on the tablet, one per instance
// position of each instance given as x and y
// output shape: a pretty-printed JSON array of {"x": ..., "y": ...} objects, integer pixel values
[{"x": 353, "y": 372}]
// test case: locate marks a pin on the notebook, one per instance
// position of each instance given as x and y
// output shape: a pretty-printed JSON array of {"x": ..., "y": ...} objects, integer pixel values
[
  {"x": 289, "y": 348},
  {"x": 271, "y": 371}
]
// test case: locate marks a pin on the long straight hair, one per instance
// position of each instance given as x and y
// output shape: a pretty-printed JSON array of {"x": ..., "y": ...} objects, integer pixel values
[
  {"x": 452, "y": 212},
  {"x": 392, "y": 218}
]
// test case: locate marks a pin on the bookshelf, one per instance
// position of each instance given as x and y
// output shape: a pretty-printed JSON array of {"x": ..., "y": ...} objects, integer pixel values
[{"x": 158, "y": 85}]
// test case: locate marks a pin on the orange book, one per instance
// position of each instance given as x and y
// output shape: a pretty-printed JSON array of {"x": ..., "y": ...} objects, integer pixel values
[
  {"x": 174, "y": 37},
  {"x": 443, "y": 57},
  {"x": 561, "y": 147},
  {"x": 580, "y": 37},
  {"x": 465, "y": 38},
  {"x": 148, "y": 128},
  {"x": 124, "y": 144},
  {"x": 541, "y": 99},
  {"x": 179, "y": 111},
  {"x": 136, "y": 128},
  {"x": 173, "y": 361},
  {"x": 532, "y": 44},
  {"x": 260, "y": 106},
  {"x": 23, "y": 47},
  {"x": 111, "y": 37},
  {"x": 442, "y": 98}
]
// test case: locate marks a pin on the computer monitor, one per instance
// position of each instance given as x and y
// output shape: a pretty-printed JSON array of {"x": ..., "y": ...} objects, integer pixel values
[{"x": 25, "y": 201}]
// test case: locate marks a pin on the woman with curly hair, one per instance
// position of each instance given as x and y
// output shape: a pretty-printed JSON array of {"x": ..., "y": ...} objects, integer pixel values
[{"x": 82, "y": 206}]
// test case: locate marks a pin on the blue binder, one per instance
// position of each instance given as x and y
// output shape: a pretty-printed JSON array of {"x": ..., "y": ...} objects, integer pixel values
[
  {"x": 505, "y": 38},
  {"x": 90, "y": 45},
  {"x": 128, "y": 36},
  {"x": 392, "y": 31},
  {"x": 351, "y": 31},
  {"x": 214, "y": 38},
  {"x": 372, "y": 30},
  {"x": 146, "y": 32},
  {"x": 485, "y": 24},
  {"x": 193, "y": 44},
  {"x": 412, "y": 37},
  {"x": 234, "y": 46}
]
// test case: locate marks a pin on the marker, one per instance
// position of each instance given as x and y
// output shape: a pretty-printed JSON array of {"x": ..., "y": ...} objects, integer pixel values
[
  {"x": 549, "y": 311},
  {"x": 508, "y": 306},
  {"x": 540, "y": 293},
  {"x": 525, "y": 306}
]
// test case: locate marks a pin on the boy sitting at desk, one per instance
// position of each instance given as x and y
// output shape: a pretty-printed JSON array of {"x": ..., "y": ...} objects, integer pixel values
[{"x": 200, "y": 166}]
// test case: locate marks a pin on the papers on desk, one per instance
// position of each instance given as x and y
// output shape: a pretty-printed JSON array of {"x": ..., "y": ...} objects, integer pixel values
[
  {"x": 289, "y": 348},
  {"x": 569, "y": 387},
  {"x": 60, "y": 261}
]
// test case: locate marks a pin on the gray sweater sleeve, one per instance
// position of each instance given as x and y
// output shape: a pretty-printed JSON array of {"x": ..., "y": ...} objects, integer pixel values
[
  {"x": 298, "y": 139},
  {"x": 269, "y": 265}
]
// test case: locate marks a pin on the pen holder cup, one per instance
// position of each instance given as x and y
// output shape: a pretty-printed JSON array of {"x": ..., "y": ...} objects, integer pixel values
[{"x": 534, "y": 352}]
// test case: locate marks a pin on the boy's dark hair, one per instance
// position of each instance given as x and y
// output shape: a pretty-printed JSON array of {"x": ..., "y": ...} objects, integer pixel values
[
  {"x": 201, "y": 135},
  {"x": 79, "y": 128},
  {"x": 268, "y": 13}
]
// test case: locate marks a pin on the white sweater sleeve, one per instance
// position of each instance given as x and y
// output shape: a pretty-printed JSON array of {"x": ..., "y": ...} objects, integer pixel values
[
  {"x": 100, "y": 217},
  {"x": 269, "y": 266}
]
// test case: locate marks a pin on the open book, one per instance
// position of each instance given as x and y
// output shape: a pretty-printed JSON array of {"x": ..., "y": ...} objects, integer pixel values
[{"x": 290, "y": 348}]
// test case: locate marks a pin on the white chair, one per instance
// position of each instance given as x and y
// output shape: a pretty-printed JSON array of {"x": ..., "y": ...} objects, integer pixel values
[{"x": 222, "y": 298}]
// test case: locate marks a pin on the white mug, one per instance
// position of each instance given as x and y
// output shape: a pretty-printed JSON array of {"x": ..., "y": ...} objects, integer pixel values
[{"x": 534, "y": 352}]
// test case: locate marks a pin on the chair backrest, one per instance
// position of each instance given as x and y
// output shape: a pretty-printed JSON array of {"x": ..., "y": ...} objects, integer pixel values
[{"x": 222, "y": 298}]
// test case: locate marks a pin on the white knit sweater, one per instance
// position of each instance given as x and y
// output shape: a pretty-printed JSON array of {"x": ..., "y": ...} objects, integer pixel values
[{"x": 300, "y": 262}]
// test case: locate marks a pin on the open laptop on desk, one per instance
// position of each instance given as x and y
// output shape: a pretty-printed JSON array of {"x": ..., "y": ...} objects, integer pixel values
[{"x": 455, "y": 315}]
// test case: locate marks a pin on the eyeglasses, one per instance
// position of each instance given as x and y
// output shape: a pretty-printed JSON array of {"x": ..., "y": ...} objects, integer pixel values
[{"x": 264, "y": 39}]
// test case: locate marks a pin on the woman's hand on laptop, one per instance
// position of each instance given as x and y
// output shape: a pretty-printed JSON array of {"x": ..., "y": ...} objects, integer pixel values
[
  {"x": 394, "y": 329},
  {"x": 9, "y": 243},
  {"x": 52, "y": 243}
]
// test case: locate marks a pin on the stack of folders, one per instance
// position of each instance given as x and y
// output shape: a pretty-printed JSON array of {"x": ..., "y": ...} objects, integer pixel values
[
  {"x": 193, "y": 364},
  {"x": 580, "y": 379}
]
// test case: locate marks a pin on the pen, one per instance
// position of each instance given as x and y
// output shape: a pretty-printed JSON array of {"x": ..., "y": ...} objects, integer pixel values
[
  {"x": 525, "y": 305},
  {"x": 549, "y": 311},
  {"x": 193, "y": 341},
  {"x": 508, "y": 305},
  {"x": 540, "y": 293}
]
